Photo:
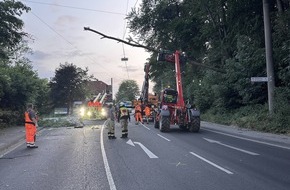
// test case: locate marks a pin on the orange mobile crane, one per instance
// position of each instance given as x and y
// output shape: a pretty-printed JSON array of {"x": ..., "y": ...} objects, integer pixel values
[{"x": 146, "y": 98}]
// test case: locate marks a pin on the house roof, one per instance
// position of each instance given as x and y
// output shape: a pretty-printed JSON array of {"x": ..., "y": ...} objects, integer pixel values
[{"x": 96, "y": 87}]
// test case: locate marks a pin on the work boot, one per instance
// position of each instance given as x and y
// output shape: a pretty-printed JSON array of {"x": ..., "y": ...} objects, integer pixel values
[
  {"x": 123, "y": 136},
  {"x": 29, "y": 145},
  {"x": 113, "y": 137}
]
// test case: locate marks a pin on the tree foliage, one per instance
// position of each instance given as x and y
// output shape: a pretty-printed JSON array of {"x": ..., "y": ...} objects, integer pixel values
[
  {"x": 19, "y": 83},
  {"x": 68, "y": 85},
  {"x": 225, "y": 34},
  {"x": 128, "y": 90},
  {"x": 11, "y": 25}
]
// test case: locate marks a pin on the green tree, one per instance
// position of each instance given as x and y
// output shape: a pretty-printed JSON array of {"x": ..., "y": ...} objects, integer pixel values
[
  {"x": 68, "y": 85},
  {"x": 224, "y": 34},
  {"x": 128, "y": 90},
  {"x": 11, "y": 25}
]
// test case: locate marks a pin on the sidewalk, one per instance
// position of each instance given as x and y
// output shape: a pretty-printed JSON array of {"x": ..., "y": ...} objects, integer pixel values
[
  {"x": 280, "y": 139},
  {"x": 10, "y": 136}
]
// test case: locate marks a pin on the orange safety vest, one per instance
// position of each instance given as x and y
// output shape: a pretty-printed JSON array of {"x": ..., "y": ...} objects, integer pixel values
[
  {"x": 147, "y": 111},
  {"x": 138, "y": 108},
  {"x": 27, "y": 119}
]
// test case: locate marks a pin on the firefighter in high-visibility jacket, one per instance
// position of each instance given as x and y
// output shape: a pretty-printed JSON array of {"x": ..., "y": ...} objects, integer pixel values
[
  {"x": 138, "y": 114},
  {"x": 123, "y": 117},
  {"x": 111, "y": 117},
  {"x": 147, "y": 111},
  {"x": 30, "y": 126}
]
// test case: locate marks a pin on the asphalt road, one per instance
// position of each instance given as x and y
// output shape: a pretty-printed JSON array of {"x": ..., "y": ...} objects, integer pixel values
[{"x": 85, "y": 159}]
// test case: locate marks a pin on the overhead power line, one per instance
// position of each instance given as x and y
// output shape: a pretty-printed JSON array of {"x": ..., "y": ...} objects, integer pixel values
[
  {"x": 67, "y": 41},
  {"x": 72, "y": 7},
  {"x": 125, "y": 28}
]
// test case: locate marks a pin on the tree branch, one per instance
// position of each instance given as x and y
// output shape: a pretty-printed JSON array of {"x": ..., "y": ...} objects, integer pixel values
[
  {"x": 135, "y": 44},
  {"x": 122, "y": 41}
]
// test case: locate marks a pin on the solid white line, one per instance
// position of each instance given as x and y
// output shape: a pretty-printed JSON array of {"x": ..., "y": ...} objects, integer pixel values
[
  {"x": 232, "y": 147},
  {"x": 146, "y": 150},
  {"x": 247, "y": 139},
  {"x": 211, "y": 163},
  {"x": 106, "y": 164},
  {"x": 163, "y": 137}
]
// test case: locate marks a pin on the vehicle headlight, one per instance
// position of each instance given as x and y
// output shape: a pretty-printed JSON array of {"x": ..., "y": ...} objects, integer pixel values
[
  {"x": 82, "y": 111},
  {"x": 89, "y": 113},
  {"x": 103, "y": 112}
]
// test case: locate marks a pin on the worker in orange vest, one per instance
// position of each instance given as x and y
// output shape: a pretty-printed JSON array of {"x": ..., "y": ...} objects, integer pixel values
[
  {"x": 30, "y": 126},
  {"x": 147, "y": 111},
  {"x": 138, "y": 114}
]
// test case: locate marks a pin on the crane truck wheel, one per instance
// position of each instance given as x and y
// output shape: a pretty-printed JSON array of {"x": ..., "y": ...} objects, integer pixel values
[
  {"x": 164, "y": 124},
  {"x": 194, "y": 125}
]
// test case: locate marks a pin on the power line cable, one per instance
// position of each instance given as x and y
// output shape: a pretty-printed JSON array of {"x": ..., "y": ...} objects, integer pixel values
[
  {"x": 72, "y": 7},
  {"x": 67, "y": 41},
  {"x": 124, "y": 33}
]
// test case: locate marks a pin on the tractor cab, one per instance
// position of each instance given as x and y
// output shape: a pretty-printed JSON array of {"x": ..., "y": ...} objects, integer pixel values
[{"x": 169, "y": 97}]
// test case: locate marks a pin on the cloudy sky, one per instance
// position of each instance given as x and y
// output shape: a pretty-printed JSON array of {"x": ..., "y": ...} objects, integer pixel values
[{"x": 57, "y": 29}]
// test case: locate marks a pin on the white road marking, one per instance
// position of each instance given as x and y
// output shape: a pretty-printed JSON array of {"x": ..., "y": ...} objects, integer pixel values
[
  {"x": 146, "y": 150},
  {"x": 130, "y": 142},
  {"x": 247, "y": 139},
  {"x": 106, "y": 164},
  {"x": 163, "y": 137},
  {"x": 232, "y": 147},
  {"x": 211, "y": 163},
  {"x": 145, "y": 126}
]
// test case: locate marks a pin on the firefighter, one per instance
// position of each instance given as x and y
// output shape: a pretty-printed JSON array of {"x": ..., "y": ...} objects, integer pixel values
[
  {"x": 138, "y": 113},
  {"x": 147, "y": 111},
  {"x": 30, "y": 126},
  {"x": 111, "y": 117},
  {"x": 123, "y": 117}
]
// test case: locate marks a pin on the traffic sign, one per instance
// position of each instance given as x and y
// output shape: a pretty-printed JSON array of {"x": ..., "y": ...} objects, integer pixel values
[{"x": 259, "y": 79}]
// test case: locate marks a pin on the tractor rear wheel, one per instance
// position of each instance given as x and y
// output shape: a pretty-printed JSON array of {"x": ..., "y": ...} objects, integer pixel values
[
  {"x": 164, "y": 124},
  {"x": 194, "y": 126}
]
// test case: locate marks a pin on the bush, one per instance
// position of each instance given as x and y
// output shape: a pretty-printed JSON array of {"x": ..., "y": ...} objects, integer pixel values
[
  {"x": 255, "y": 117},
  {"x": 9, "y": 118}
]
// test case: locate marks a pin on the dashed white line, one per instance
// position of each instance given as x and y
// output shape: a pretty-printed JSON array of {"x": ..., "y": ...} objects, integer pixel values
[
  {"x": 163, "y": 137},
  {"x": 106, "y": 164},
  {"x": 145, "y": 127},
  {"x": 247, "y": 139},
  {"x": 211, "y": 163},
  {"x": 232, "y": 147}
]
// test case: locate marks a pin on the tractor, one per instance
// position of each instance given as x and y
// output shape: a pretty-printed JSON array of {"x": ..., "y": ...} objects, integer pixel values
[{"x": 172, "y": 109}]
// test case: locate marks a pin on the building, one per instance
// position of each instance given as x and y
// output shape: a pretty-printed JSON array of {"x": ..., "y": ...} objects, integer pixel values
[{"x": 97, "y": 88}]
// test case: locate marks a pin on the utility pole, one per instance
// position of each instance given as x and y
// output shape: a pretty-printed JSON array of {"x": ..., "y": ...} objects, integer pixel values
[{"x": 269, "y": 56}]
